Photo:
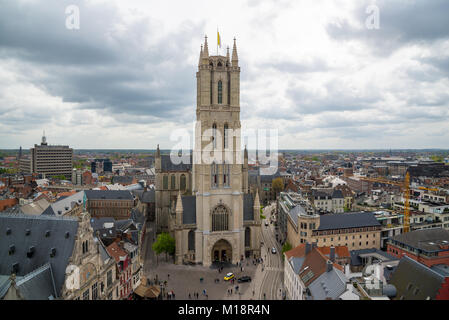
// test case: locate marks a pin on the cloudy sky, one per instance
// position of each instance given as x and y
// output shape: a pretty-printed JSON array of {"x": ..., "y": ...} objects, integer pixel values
[{"x": 310, "y": 69}]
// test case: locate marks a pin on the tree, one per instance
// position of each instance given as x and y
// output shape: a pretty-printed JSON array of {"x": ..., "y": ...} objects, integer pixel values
[
  {"x": 286, "y": 247},
  {"x": 164, "y": 243},
  {"x": 277, "y": 185}
]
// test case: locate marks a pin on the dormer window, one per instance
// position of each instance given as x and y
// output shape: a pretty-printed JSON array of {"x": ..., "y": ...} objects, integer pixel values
[{"x": 30, "y": 252}]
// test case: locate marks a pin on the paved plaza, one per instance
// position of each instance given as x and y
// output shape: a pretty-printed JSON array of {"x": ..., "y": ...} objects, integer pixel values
[{"x": 185, "y": 279}]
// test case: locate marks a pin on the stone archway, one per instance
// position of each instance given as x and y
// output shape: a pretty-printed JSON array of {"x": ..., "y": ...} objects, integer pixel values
[{"x": 221, "y": 251}]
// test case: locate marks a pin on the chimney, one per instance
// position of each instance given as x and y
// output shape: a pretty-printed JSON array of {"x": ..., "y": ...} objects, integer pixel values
[
  {"x": 332, "y": 254},
  {"x": 308, "y": 248},
  {"x": 329, "y": 266}
]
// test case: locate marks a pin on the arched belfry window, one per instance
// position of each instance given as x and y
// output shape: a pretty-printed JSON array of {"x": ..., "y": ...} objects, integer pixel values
[
  {"x": 173, "y": 182},
  {"x": 214, "y": 135},
  {"x": 183, "y": 182},
  {"x": 220, "y": 218},
  {"x": 226, "y": 174},
  {"x": 225, "y": 136},
  {"x": 214, "y": 174},
  {"x": 165, "y": 182},
  {"x": 220, "y": 92}
]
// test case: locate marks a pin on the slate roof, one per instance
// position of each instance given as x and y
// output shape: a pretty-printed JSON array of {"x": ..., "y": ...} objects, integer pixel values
[
  {"x": 357, "y": 261},
  {"x": 38, "y": 284},
  {"x": 269, "y": 177},
  {"x": 108, "y": 194},
  {"x": 36, "y": 207},
  {"x": 189, "y": 209},
  {"x": 331, "y": 194},
  {"x": 38, "y": 225},
  {"x": 329, "y": 285},
  {"x": 145, "y": 196},
  {"x": 63, "y": 205},
  {"x": 347, "y": 220},
  {"x": 428, "y": 240},
  {"x": 122, "y": 179},
  {"x": 415, "y": 281},
  {"x": 168, "y": 166},
  {"x": 295, "y": 212},
  {"x": 248, "y": 207}
]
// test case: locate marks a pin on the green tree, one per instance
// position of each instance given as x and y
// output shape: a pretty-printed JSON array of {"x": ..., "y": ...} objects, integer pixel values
[
  {"x": 164, "y": 243},
  {"x": 286, "y": 247},
  {"x": 277, "y": 185}
]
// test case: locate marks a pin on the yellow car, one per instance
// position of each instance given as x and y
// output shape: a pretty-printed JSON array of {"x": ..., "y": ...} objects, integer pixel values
[{"x": 229, "y": 276}]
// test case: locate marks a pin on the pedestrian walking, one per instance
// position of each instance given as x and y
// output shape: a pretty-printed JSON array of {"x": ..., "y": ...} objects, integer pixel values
[{"x": 189, "y": 296}]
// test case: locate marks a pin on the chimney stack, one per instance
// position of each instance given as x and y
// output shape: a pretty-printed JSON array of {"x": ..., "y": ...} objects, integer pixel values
[
  {"x": 332, "y": 254},
  {"x": 329, "y": 266},
  {"x": 308, "y": 248}
]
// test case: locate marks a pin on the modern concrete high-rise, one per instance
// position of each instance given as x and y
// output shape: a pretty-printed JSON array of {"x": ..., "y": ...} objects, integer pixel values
[{"x": 49, "y": 160}]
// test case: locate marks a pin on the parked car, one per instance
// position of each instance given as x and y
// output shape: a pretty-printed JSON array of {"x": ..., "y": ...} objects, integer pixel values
[
  {"x": 229, "y": 276},
  {"x": 273, "y": 250},
  {"x": 244, "y": 279}
]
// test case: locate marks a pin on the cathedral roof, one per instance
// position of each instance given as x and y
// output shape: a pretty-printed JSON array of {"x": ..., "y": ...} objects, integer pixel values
[{"x": 169, "y": 166}]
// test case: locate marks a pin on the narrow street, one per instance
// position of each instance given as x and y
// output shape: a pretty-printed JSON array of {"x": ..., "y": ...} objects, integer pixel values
[{"x": 273, "y": 280}]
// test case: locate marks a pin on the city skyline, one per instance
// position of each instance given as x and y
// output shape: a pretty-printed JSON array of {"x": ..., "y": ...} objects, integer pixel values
[{"x": 125, "y": 79}]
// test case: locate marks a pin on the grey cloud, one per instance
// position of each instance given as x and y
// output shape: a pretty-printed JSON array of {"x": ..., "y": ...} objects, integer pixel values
[
  {"x": 401, "y": 23},
  {"x": 99, "y": 67}
]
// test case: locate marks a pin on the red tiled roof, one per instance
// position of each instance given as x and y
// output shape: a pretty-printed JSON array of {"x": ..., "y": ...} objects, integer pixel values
[
  {"x": 340, "y": 251},
  {"x": 115, "y": 251}
]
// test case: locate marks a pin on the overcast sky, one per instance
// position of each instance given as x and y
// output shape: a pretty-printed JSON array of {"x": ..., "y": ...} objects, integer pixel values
[{"x": 311, "y": 69}]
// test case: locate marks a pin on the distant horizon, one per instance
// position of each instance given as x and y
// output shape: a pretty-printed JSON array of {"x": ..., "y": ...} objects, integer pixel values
[{"x": 280, "y": 150}]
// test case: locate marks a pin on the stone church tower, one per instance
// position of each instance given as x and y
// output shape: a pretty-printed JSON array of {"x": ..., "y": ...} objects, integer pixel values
[{"x": 226, "y": 218}]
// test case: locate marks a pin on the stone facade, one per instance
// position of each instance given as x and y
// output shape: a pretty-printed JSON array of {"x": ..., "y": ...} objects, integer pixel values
[{"x": 220, "y": 221}]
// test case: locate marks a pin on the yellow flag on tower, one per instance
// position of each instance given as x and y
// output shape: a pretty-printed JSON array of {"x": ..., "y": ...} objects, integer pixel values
[{"x": 218, "y": 39}]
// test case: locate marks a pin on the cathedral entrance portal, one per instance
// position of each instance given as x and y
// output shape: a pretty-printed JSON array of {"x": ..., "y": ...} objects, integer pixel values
[{"x": 222, "y": 251}]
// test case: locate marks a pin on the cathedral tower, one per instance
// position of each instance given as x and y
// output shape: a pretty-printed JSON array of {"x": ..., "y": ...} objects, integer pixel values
[{"x": 218, "y": 162}]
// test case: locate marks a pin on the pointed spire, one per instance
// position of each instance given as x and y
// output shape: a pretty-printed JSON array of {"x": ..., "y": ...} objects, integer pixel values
[
  {"x": 206, "y": 48},
  {"x": 227, "y": 54},
  {"x": 179, "y": 207},
  {"x": 256, "y": 200},
  {"x": 235, "y": 58},
  {"x": 158, "y": 152},
  {"x": 201, "y": 55},
  {"x": 245, "y": 153}
]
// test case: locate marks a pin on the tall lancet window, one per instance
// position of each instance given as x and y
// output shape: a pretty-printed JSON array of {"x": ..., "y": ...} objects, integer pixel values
[
  {"x": 214, "y": 174},
  {"x": 226, "y": 174},
  {"x": 214, "y": 135},
  {"x": 220, "y": 92},
  {"x": 225, "y": 139},
  {"x": 229, "y": 90},
  {"x": 211, "y": 86}
]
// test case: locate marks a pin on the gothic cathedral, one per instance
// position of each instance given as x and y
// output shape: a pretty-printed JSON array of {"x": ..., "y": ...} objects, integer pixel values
[{"x": 220, "y": 220}]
